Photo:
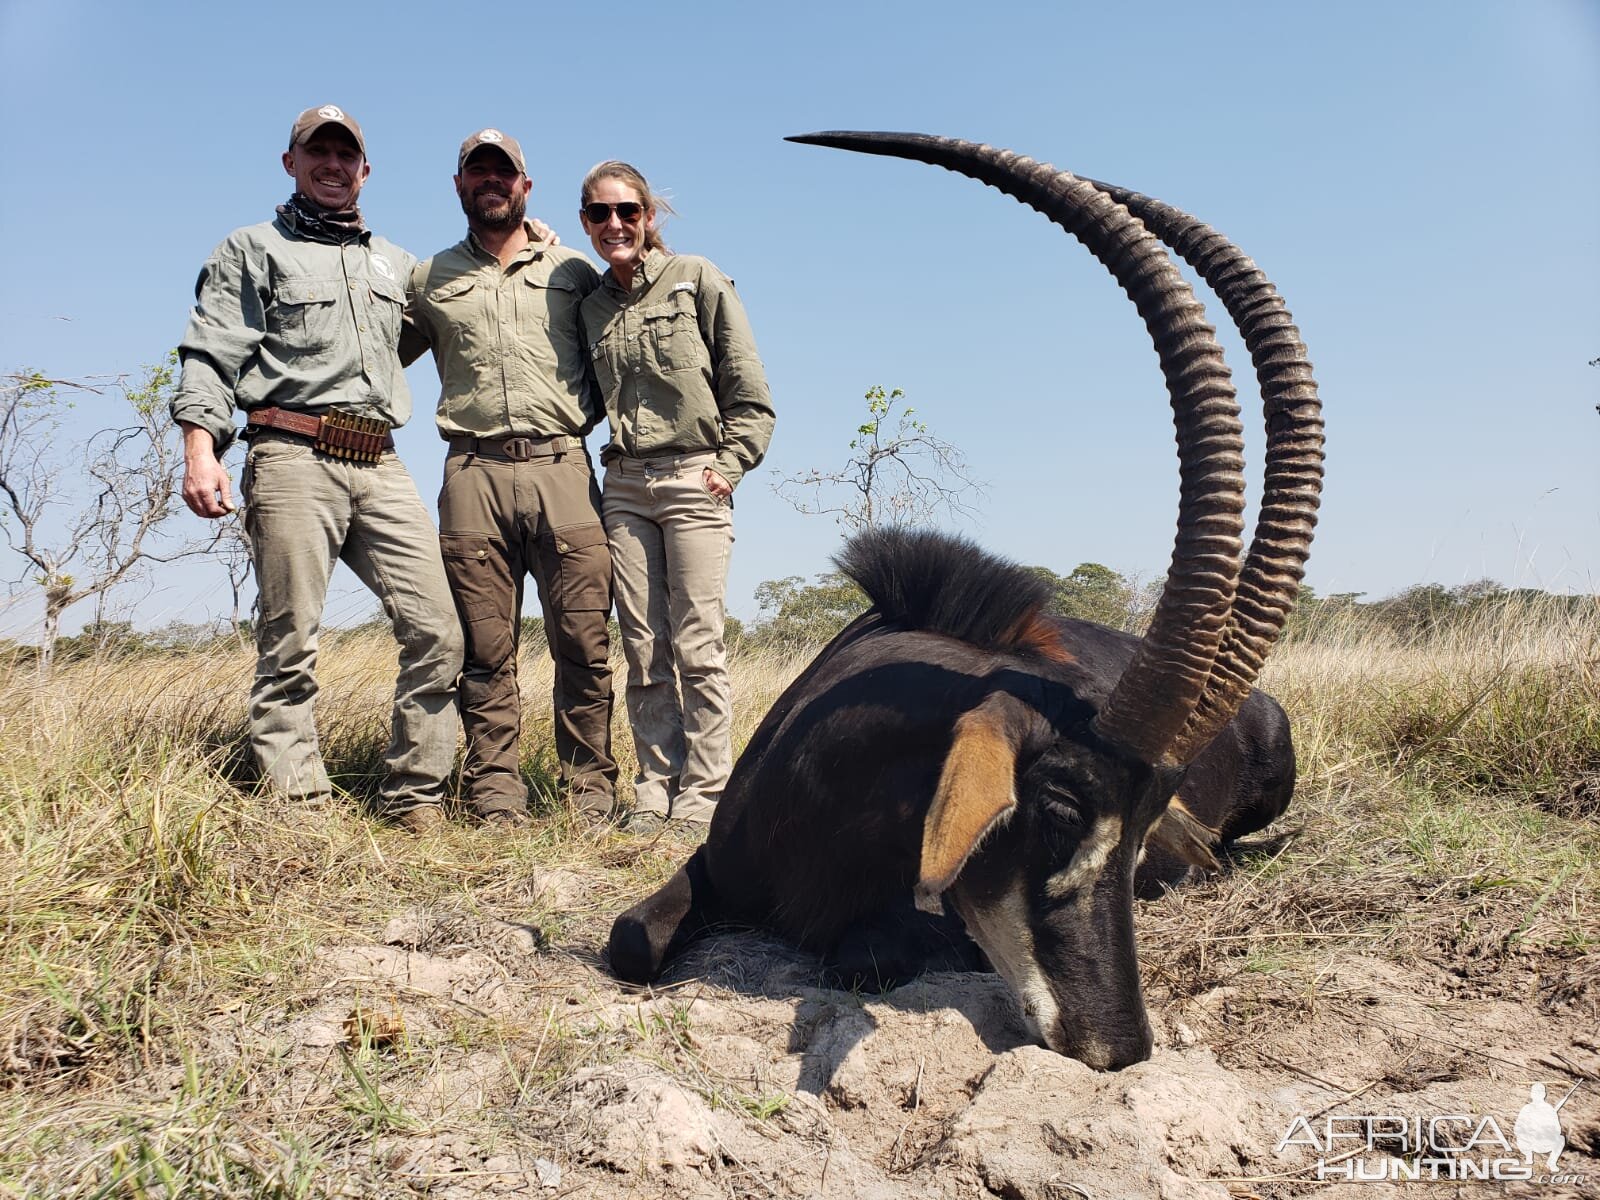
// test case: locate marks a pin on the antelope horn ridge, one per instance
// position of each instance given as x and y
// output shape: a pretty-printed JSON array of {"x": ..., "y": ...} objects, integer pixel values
[
  {"x": 1156, "y": 696},
  {"x": 1291, "y": 484}
]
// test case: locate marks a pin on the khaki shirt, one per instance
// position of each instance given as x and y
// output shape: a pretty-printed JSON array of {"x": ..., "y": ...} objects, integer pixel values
[
  {"x": 506, "y": 342},
  {"x": 677, "y": 364},
  {"x": 282, "y": 320}
]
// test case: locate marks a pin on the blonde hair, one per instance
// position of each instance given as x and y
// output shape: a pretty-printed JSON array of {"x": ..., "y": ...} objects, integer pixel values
[{"x": 629, "y": 176}]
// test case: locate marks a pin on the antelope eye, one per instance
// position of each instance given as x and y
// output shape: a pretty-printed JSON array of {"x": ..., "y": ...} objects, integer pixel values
[{"x": 1062, "y": 807}]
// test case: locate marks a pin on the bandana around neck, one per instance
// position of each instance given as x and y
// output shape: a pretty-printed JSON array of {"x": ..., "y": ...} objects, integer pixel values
[{"x": 311, "y": 220}]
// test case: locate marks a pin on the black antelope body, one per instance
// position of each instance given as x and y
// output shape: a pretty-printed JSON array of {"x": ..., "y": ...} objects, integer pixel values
[{"x": 957, "y": 763}]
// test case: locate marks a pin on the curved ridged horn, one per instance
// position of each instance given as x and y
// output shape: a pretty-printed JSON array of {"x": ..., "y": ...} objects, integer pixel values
[
  {"x": 1157, "y": 693},
  {"x": 1291, "y": 483}
]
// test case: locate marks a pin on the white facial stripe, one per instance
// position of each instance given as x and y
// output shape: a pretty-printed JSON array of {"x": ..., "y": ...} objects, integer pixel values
[
  {"x": 1093, "y": 854},
  {"x": 1003, "y": 932}
]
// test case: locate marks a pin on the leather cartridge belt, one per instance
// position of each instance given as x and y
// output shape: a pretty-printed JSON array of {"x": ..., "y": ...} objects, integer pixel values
[
  {"x": 338, "y": 434},
  {"x": 517, "y": 449}
]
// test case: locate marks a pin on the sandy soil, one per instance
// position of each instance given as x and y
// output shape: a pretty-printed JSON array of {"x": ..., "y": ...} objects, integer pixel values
[{"x": 739, "y": 1076}]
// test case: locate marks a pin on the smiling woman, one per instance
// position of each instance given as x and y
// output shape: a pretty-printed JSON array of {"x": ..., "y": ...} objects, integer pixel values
[{"x": 690, "y": 413}]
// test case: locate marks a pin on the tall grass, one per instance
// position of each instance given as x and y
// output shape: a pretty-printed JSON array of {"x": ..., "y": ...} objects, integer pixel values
[
  {"x": 146, "y": 886},
  {"x": 1504, "y": 701}
]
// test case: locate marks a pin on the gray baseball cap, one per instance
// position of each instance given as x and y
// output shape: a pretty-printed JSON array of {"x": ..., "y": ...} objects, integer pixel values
[
  {"x": 500, "y": 141},
  {"x": 313, "y": 119}
]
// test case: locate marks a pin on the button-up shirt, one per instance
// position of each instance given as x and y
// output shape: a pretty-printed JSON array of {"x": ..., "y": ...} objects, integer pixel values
[
  {"x": 280, "y": 319},
  {"x": 677, "y": 364},
  {"x": 505, "y": 341}
]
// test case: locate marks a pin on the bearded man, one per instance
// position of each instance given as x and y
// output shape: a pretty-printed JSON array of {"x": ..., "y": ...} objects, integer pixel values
[{"x": 499, "y": 309}]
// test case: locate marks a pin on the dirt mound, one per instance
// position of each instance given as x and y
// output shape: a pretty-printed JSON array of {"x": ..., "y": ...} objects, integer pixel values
[{"x": 741, "y": 1076}]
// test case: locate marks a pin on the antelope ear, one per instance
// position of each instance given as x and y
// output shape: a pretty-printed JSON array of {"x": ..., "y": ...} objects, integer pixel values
[
  {"x": 1183, "y": 835},
  {"x": 977, "y": 791}
]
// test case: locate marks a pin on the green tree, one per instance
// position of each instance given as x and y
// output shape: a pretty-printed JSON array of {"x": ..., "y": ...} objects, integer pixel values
[
  {"x": 103, "y": 639},
  {"x": 797, "y": 615},
  {"x": 1092, "y": 592},
  {"x": 1419, "y": 609}
]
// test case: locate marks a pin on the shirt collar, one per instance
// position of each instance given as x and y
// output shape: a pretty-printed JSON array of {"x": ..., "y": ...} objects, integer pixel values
[
  {"x": 647, "y": 273},
  {"x": 532, "y": 250}
]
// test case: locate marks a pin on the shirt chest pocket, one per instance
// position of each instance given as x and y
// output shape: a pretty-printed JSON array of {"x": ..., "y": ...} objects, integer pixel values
[
  {"x": 454, "y": 295},
  {"x": 455, "y": 317},
  {"x": 307, "y": 313},
  {"x": 545, "y": 302},
  {"x": 672, "y": 333},
  {"x": 607, "y": 367},
  {"x": 387, "y": 299}
]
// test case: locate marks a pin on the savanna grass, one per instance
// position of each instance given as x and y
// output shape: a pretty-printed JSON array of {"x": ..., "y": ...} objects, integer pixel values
[
  {"x": 147, "y": 885},
  {"x": 155, "y": 900},
  {"x": 1447, "y": 812}
]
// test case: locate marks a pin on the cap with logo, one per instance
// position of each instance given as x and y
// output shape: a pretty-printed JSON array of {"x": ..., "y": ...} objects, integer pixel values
[
  {"x": 313, "y": 119},
  {"x": 500, "y": 141}
]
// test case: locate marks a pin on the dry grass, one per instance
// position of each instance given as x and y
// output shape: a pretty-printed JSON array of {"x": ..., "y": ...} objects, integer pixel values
[
  {"x": 1505, "y": 702},
  {"x": 1448, "y": 813},
  {"x": 159, "y": 915}
]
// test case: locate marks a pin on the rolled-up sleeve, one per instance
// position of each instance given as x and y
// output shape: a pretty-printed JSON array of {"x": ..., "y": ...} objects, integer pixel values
[
  {"x": 226, "y": 327},
  {"x": 743, "y": 397}
]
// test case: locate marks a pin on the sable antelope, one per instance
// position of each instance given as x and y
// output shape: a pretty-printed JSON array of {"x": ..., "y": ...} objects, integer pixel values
[{"x": 955, "y": 747}]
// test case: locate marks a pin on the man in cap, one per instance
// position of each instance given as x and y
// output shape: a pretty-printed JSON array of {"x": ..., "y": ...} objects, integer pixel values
[
  {"x": 297, "y": 322},
  {"x": 500, "y": 311}
]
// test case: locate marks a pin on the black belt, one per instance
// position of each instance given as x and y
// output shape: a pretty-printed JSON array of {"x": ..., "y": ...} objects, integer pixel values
[{"x": 517, "y": 449}]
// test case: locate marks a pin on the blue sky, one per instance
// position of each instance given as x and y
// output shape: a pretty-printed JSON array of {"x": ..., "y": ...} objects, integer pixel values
[{"x": 1419, "y": 179}]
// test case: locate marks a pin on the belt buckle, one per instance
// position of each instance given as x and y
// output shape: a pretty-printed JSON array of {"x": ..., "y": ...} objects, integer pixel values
[{"x": 517, "y": 449}]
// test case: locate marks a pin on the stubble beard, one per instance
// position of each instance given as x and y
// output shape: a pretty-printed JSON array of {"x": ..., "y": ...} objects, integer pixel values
[{"x": 480, "y": 214}]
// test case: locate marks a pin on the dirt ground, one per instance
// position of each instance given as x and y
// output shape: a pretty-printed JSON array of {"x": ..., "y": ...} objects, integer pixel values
[{"x": 739, "y": 1076}]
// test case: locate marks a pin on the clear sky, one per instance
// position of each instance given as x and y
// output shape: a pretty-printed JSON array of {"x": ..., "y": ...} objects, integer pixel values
[{"x": 1420, "y": 179}]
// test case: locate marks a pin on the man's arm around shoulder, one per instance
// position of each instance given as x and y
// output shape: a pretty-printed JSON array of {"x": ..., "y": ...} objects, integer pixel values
[{"x": 415, "y": 337}]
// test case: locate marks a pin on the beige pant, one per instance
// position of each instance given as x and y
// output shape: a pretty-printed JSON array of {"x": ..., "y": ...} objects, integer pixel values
[
  {"x": 304, "y": 512},
  {"x": 670, "y": 544}
]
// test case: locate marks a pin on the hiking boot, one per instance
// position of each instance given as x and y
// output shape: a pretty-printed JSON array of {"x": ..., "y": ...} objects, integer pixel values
[
  {"x": 421, "y": 819},
  {"x": 640, "y": 823},
  {"x": 505, "y": 820},
  {"x": 593, "y": 820}
]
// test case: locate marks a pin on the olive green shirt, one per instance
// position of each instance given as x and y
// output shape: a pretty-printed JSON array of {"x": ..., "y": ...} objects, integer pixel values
[
  {"x": 506, "y": 342},
  {"x": 280, "y": 319},
  {"x": 677, "y": 364}
]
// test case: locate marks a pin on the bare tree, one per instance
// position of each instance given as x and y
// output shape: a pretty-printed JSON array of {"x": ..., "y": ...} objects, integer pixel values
[
  {"x": 900, "y": 473},
  {"x": 232, "y": 550},
  {"x": 87, "y": 514}
]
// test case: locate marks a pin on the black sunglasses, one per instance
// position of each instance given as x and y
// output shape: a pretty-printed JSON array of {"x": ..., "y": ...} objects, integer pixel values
[{"x": 627, "y": 212}]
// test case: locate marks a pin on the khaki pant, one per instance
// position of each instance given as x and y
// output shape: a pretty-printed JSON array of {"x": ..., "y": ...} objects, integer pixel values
[
  {"x": 500, "y": 520},
  {"x": 303, "y": 513},
  {"x": 670, "y": 545}
]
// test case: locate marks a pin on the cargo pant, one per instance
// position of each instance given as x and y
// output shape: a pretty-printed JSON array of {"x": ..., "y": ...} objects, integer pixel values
[
  {"x": 304, "y": 512},
  {"x": 671, "y": 541},
  {"x": 502, "y": 518}
]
